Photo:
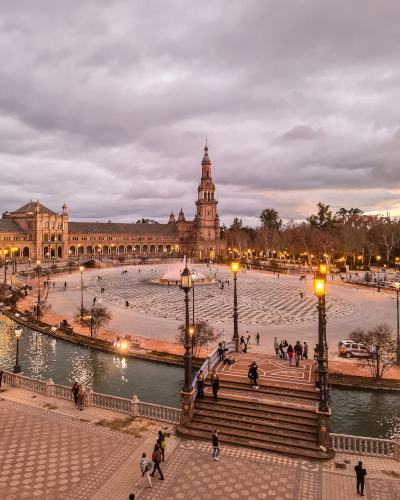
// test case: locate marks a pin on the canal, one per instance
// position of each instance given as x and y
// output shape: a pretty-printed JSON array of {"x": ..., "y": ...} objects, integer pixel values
[{"x": 359, "y": 413}]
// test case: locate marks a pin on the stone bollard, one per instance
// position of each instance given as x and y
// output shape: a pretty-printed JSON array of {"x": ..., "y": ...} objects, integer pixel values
[
  {"x": 134, "y": 407},
  {"x": 16, "y": 379},
  {"x": 49, "y": 388},
  {"x": 89, "y": 397}
]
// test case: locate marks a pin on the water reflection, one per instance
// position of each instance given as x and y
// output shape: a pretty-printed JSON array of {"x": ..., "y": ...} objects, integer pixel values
[
  {"x": 7, "y": 343},
  {"x": 82, "y": 370}
]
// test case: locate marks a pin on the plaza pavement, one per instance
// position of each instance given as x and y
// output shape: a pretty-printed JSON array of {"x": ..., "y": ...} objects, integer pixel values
[
  {"x": 50, "y": 451},
  {"x": 267, "y": 304}
]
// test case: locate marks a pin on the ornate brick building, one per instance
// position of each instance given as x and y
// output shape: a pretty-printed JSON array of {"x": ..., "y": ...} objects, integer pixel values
[{"x": 40, "y": 233}]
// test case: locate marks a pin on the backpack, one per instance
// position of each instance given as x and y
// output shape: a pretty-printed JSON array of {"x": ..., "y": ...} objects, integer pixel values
[{"x": 149, "y": 465}]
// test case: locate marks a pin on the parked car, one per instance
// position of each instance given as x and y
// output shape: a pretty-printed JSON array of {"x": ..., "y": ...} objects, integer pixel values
[{"x": 349, "y": 348}]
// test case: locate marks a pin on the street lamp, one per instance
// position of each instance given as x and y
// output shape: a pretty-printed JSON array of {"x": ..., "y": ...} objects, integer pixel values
[
  {"x": 99, "y": 254},
  {"x": 319, "y": 291},
  {"x": 322, "y": 270},
  {"x": 397, "y": 285},
  {"x": 81, "y": 269},
  {"x": 378, "y": 258},
  {"x": 194, "y": 275},
  {"x": 17, "y": 331},
  {"x": 38, "y": 290},
  {"x": 235, "y": 268},
  {"x": 70, "y": 262},
  {"x": 186, "y": 285},
  {"x": 191, "y": 333}
]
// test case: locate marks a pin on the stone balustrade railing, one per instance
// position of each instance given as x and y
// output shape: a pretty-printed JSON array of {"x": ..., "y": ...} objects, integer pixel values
[
  {"x": 366, "y": 446},
  {"x": 134, "y": 407}
]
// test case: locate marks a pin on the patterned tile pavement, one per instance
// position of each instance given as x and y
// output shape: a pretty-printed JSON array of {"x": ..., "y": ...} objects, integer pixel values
[{"x": 50, "y": 451}]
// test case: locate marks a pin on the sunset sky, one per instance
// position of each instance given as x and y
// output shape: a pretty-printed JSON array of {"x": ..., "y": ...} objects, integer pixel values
[{"x": 106, "y": 105}]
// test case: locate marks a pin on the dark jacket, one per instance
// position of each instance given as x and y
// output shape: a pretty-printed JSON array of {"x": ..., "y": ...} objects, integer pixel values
[
  {"x": 298, "y": 348},
  {"x": 215, "y": 383},
  {"x": 215, "y": 440},
  {"x": 361, "y": 472},
  {"x": 254, "y": 373}
]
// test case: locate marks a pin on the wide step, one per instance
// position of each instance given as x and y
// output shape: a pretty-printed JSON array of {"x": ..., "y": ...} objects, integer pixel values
[
  {"x": 286, "y": 448},
  {"x": 267, "y": 389},
  {"x": 248, "y": 412},
  {"x": 259, "y": 423}
]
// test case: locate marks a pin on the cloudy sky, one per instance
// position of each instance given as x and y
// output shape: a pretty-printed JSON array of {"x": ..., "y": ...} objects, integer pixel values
[{"x": 106, "y": 104}]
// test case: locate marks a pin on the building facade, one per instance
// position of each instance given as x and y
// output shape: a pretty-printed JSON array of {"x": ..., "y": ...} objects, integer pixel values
[{"x": 33, "y": 231}]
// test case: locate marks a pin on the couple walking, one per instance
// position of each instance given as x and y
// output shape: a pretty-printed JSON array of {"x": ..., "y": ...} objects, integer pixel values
[
  {"x": 78, "y": 391},
  {"x": 157, "y": 457}
]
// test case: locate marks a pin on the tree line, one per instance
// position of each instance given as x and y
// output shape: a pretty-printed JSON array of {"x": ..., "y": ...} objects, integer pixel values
[{"x": 348, "y": 235}]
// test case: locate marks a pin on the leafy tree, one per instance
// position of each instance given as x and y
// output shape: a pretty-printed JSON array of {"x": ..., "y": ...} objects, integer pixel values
[
  {"x": 236, "y": 224},
  {"x": 344, "y": 214},
  {"x": 383, "y": 339},
  {"x": 324, "y": 218},
  {"x": 270, "y": 218},
  {"x": 203, "y": 332},
  {"x": 146, "y": 221},
  {"x": 4, "y": 292},
  {"x": 93, "y": 319},
  {"x": 15, "y": 296}
]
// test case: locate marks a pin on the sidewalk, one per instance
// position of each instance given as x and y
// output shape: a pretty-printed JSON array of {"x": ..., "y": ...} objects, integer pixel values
[{"x": 50, "y": 451}]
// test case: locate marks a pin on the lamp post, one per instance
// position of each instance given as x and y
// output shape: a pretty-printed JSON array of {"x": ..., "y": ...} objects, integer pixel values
[
  {"x": 319, "y": 290},
  {"x": 186, "y": 285},
  {"x": 99, "y": 255},
  {"x": 194, "y": 275},
  {"x": 70, "y": 263},
  {"x": 235, "y": 338},
  {"x": 378, "y": 258},
  {"x": 81, "y": 269},
  {"x": 18, "y": 331},
  {"x": 29, "y": 261},
  {"x": 78, "y": 254},
  {"x": 38, "y": 290},
  {"x": 397, "y": 285}
]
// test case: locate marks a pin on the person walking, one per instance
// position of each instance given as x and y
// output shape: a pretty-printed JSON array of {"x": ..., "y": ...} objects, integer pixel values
[
  {"x": 215, "y": 385},
  {"x": 200, "y": 385},
  {"x": 285, "y": 350},
  {"x": 94, "y": 301},
  {"x": 74, "y": 390},
  {"x": 301, "y": 295},
  {"x": 290, "y": 352},
  {"x": 276, "y": 346},
  {"x": 81, "y": 397},
  {"x": 161, "y": 443},
  {"x": 65, "y": 284},
  {"x": 145, "y": 467},
  {"x": 299, "y": 352},
  {"x": 157, "y": 459},
  {"x": 360, "y": 473},
  {"x": 258, "y": 338},
  {"x": 305, "y": 351},
  {"x": 254, "y": 374},
  {"x": 126, "y": 303},
  {"x": 221, "y": 351},
  {"x": 1, "y": 377},
  {"x": 215, "y": 442},
  {"x": 247, "y": 338}
]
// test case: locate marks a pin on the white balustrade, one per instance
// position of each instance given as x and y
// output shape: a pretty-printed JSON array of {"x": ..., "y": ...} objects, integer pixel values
[
  {"x": 31, "y": 384},
  {"x": 63, "y": 392},
  {"x": 163, "y": 413},
  {"x": 362, "y": 445}
]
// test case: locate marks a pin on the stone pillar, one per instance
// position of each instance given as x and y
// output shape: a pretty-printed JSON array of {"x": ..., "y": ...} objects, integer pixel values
[
  {"x": 187, "y": 407},
  {"x": 89, "y": 397},
  {"x": 396, "y": 448},
  {"x": 323, "y": 428},
  {"x": 50, "y": 388},
  {"x": 134, "y": 407},
  {"x": 16, "y": 379}
]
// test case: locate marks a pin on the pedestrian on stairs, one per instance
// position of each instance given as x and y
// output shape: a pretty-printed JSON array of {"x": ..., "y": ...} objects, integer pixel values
[
  {"x": 258, "y": 339},
  {"x": 200, "y": 385},
  {"x": 290, "y": 352},
  {"x": 276, "y": 346},
  {"x": 305, "y": 350},
  {"x": 299, "y": 352},
  {"x": 215, "y": 385},
  {"x": 216, "y": 449},
  {"x": 253, "y": 374}
]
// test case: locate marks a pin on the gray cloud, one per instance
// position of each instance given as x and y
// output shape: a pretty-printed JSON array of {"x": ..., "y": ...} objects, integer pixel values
[{"x": 105, "y": 105}]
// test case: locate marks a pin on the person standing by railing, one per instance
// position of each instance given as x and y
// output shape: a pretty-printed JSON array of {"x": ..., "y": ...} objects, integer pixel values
[
  {"x": 215, "y": 385},
  {"x": 200, "y": 385},
  {"x": 81, "y": 397},
  {"x": 74, "y": 390}
]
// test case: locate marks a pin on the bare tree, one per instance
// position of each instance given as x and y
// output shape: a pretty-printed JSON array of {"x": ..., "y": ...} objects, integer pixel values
[
  {"x": 41, "y": 309},
  {"x": 383, "y": 339},
  {"x": 93, "y": 319},
  {"x": 203, "y": 332},
  {"x": 16, "y": 295}
]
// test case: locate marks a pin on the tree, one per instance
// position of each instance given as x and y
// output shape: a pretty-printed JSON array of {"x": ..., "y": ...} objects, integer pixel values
[
  {"x": 41, "y": 310},
  {"x": 383, "y": 339},
  {"x": 270, "y": 218},
  {"x": 4, "y": 292},
  {"x": 203, "y": 332},
  {"x": 236, "y": 224},
  {"x": 16, "y": 296},
  {"x": 222, "y": 231},
  {"x": 240, "y": 240},
  {"x": 146, "y": 221},
  {"x": 344, "y": 214},
  {"x": 93, "y": 318},
  {"x": 323, "y": 219}
]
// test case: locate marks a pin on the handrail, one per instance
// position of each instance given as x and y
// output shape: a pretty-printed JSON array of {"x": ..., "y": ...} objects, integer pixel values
[{"x": 362, "y": 445}]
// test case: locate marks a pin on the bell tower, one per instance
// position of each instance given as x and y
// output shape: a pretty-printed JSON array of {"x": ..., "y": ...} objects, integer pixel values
[{"x": 206, "y": 204}]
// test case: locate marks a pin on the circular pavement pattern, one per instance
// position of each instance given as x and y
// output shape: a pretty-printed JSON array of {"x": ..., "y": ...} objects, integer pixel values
[{"x": 263, "y": 299}]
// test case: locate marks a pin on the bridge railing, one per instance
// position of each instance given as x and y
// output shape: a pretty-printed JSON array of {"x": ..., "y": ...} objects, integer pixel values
[
  {"x": 133, "y": 407},
  {"x": 365, "y": 446}
]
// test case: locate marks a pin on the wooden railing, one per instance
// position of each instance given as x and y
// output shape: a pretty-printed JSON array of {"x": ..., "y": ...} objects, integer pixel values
[
  {"x": 133, "y": 407},
  {"x": 363, "y": 445}
]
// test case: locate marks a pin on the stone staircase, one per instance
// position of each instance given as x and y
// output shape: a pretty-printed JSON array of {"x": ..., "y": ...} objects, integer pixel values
[{"x": 273, "y": 418}]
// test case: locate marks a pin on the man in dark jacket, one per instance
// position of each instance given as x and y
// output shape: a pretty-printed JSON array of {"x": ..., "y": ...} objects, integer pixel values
[
  {"x": 215, "y": 445},
  {"x": 361, "y": 473},
  {"x": 299, "y": 351}
]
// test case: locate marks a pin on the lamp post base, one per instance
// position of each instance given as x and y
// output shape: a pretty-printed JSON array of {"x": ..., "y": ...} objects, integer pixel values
[
  {"x": 187, "y": 407},
  {"x": 323, "y": 428},
  {"x": 236, "y": 344},
  {"x": 17, "y": 369}
]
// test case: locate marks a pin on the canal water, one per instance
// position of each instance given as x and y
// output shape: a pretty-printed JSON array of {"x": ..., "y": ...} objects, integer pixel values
[{"x": 358, "y": 413}]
